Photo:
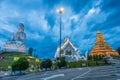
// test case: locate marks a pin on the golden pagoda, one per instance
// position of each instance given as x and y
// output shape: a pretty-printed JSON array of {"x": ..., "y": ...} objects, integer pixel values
[{"x": 101, "y": 47}]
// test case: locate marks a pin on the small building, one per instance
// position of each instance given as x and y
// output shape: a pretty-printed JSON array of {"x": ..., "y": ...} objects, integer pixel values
[{"x": 68, "y": 50}]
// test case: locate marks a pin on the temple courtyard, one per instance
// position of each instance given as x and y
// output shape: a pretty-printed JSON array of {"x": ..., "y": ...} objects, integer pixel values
[{"x": 87, "y": 73}]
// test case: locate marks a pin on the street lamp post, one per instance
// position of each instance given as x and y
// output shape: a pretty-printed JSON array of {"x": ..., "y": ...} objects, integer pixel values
[{"x": 60, "y": 11}]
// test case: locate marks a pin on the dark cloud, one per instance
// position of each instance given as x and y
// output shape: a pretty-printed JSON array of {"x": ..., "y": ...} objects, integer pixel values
[
  {"x": 77, "y": 6},
  {"x": 110, "y": 5},
  {"x": 50, "y": 19},
  {"x": 81, "y": 20}
]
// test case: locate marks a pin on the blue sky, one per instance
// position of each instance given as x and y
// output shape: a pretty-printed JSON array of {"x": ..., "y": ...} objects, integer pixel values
[{"x": 80, "y": 21}]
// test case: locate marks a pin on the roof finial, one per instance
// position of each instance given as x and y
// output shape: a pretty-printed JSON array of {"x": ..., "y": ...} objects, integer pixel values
[
  {"x": 98, "y": 30},
  {"x": 66, "y": 38}
]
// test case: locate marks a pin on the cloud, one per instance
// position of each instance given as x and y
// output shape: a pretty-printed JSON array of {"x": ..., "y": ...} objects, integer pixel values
[
  {"x": 34, "y": 36},
  {"x": 38, "y": 22},
  {"x": 80, "y": 22},
  {"x": 7, "y": 27},
  {"x": 8, "y": 11},
  {"x": 81, "y": 26}
]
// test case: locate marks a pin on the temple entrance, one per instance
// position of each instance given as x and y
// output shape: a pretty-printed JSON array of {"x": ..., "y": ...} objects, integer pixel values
[{"x": 68, "y": 52}]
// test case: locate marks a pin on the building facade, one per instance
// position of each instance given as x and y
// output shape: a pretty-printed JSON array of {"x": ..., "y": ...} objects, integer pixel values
[{"x": 68, "y": 50}]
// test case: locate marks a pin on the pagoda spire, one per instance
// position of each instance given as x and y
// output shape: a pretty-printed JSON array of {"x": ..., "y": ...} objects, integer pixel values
[
  {"x": 101, "y": 47},
  {"x": 100, "y": 38},
  {"x": 98, "y": 31}
]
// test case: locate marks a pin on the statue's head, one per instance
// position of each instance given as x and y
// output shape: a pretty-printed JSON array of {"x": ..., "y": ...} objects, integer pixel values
[{"x": 21, "y": 27}]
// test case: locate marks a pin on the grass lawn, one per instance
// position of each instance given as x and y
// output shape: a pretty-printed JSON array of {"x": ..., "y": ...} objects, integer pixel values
[{"x": 9, "y": 58}]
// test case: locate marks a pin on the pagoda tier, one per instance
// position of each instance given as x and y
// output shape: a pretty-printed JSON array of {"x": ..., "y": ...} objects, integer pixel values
[{"x": 101, "y": 47}]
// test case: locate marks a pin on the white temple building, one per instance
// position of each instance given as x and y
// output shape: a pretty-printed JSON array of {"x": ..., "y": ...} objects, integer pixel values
[
  {"x": 68, "y": 50},
  {"x": 17, "y": 42}
]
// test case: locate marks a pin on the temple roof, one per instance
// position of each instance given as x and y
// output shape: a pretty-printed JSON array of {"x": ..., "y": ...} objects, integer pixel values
[{"x": 64, "y": 44}]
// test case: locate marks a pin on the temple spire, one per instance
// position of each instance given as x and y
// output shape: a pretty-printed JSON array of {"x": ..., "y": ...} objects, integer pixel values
[
  {"x": 101, "y": 47},
  {"x": 100, "y": 38},
  {"x": 98, "y": 31}
]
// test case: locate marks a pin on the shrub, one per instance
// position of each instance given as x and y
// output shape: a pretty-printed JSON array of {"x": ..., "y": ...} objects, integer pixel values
[
  {"x": 91, "y": 63},
  {"x": 74, "y": 64},
  {"x": 54, "y": 66},
  {"x": 95, "y": 58},
  {"x": 61, "y": 62},
  {"x": 20, "y": 64},
  {"x": 46, "y": 64},
  {"x": 84, "y": 64}
]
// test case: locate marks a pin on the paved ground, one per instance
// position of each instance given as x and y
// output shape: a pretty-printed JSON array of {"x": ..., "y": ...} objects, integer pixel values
[
  {"x": 88, "y": 73},
  {"x": 4, "y": 73}
]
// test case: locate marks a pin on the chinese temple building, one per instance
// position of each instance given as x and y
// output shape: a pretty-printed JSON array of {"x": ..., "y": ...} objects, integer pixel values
[
  {"x": 68, "y": 50},
  {"x": 101, "y": 47},
  {"x": 17, "y": 42}
]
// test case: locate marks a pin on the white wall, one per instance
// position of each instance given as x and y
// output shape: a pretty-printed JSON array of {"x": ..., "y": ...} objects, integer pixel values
[
  {"x": 69, "y": 48},
  {"x": 73, "y": 52}
]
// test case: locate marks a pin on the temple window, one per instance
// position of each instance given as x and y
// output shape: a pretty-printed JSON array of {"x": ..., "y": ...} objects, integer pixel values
[{"x": 68, "y": 52}]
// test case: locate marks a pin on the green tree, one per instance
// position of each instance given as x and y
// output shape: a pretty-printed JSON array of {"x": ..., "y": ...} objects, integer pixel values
[
  {"x": 37, "y": 65},
  {"x": 94, "y": 58},
  {"x": 46, "y": 64},
  {"x": 118, "y": 50},
  {"x": 23, "y": 63},
  {"x": 35, "y": 53},
  {"x": 61, "y": 62},
  {"x": 30, "y": 51},
  {"x": 89, "y": 57},
  {"x": 43, "y": 64},
  {"x": 15, "y": 66},
  {"x": 20, "y": 64},
  {"x": 99, "y": 57}
]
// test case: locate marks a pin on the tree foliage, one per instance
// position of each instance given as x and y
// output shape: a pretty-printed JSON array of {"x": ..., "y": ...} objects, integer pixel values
[
  {"x": 46, "y": 64},
  {"x": 95, "y": 58},
  {"x": 61, "y": 62},
  {"x": 118, "y": 50},
  {"x": 20, "y": 64},
  {"x": 30, "y": 51}
]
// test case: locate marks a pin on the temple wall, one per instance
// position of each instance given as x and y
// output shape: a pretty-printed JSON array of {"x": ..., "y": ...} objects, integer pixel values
[{"x": 69, "y": 48}]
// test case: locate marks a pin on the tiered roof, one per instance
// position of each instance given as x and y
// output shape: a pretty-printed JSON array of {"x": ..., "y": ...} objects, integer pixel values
[
  {"x": 101, "y": 47},
  {"x": 64, "y": 45}
]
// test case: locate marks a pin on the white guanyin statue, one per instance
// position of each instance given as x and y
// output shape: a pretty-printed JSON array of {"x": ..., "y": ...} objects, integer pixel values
[
  {"x": 17, "y": 42},
  {"x": 20, "y": 35}
]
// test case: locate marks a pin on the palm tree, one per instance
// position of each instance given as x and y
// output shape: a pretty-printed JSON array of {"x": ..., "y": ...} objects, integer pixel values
[{"x": 30, "y": 51}]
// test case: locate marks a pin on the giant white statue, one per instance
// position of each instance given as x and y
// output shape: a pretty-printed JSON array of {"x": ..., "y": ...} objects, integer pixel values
[
  {"x": 20, "y": 35},
  {"x": 17, "y": 42}
]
